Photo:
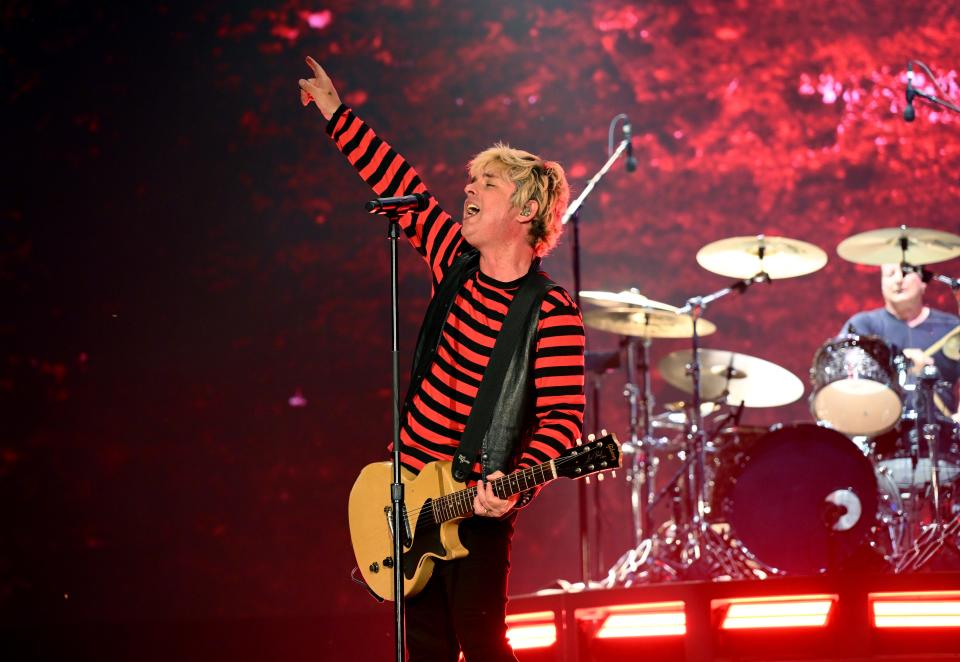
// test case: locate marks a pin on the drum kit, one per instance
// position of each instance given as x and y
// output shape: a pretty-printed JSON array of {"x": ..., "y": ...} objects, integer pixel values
[{"x": 872, "y": 480}]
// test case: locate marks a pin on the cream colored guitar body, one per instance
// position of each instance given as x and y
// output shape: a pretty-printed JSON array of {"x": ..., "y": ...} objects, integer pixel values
[
  {"x": 434, "y": 504},
  {"x": 370, "y": 526}
]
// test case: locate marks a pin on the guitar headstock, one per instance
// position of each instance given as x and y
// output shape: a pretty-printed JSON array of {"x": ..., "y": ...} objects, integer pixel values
[{"x": 602, "y": 454}]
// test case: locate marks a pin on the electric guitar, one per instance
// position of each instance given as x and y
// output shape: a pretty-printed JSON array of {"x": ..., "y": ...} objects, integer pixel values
[{"x": 434, "y": 504}]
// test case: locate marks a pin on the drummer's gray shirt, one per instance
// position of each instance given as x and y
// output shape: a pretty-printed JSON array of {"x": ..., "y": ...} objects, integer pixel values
[{"x": 880, "y": 322}]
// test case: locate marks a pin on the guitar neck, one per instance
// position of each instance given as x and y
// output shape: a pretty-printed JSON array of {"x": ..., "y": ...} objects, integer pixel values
[{"x": 460, "y": 503}]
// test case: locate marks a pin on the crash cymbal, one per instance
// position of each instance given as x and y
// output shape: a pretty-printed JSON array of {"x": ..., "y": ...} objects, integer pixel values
[
  {"x": 646, "y": 322},
  {"x": 733, "y": 378},
  {"x": 745, "y": 257},
  {"x": 631, "y": 297},
  {"x": 895, "y": 245}
]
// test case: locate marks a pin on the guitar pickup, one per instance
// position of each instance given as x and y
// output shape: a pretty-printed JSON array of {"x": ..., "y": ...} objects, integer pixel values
[{"x": 408, "y": 537}]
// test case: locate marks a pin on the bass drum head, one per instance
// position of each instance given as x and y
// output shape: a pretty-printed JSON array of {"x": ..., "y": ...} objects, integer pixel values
[{"x": 784, "y": 500}]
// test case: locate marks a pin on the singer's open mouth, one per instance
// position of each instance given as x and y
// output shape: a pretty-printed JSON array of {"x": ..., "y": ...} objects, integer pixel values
[{"x": 471, "y": 210}]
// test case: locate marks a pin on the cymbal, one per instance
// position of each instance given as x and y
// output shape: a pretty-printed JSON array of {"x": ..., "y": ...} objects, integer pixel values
[
  {"x": 734, "y": 378},
  {"x": 646, "y": 322},
  {"x": 740, "y": 257},
  {"x": 885, "y": 246},
  {"x": 682, "y": 406},
  {"x": 675, "y": 416},
  {"x": 631, "y": 297}
]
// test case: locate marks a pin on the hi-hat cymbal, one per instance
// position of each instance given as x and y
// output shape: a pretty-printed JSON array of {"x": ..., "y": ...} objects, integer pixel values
[
  {"x": 646, "y": 322},
  {"x": 895, "y": 245},
  {"x": 745, "y": 257},
  {"x": 631, "y": 297},
  {"x": 675, "y": 416},
  {"x": 733, "y": 378}
]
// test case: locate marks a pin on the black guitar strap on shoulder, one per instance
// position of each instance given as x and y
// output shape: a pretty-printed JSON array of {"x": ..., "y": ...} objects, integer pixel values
[{"x": 530, "y": 294}]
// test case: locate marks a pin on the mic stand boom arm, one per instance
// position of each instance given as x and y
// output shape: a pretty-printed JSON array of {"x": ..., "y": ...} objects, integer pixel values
[
  {"x": 936, "y": 100},
  {"x": 575, "y": 205}
]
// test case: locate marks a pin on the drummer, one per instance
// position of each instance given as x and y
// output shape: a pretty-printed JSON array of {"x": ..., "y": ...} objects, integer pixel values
[{"x": 910, "y": 327}]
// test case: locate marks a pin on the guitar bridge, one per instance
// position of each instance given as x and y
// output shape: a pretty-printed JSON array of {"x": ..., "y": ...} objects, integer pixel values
[{"x": 408, "y": 537}]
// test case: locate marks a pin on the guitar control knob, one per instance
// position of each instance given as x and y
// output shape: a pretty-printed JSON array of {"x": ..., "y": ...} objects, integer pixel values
[
  {"x": 374, "y": 567},
  {"x": 388, "y": 562}
]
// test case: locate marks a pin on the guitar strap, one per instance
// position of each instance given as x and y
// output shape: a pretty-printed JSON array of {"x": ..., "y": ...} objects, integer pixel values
[{"x": 525, "y": 302}]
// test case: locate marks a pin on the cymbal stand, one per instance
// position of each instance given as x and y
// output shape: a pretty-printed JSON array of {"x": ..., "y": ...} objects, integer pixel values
[
  {"x": 644, "y": 561},
  {"x": 935, "y": 536},
  {"x": 639, "y": 400},
  {"x": 700, "y": 544}
]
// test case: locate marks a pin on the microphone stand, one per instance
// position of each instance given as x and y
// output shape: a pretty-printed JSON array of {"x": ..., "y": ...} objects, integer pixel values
[
  {"x": 927, "y": 275},
  {"x": 573, "y": 214},
  {"x": 396, "y": 488}
]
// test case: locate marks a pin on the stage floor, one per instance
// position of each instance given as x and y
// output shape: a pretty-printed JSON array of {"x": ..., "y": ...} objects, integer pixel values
[{"x": 838, "y": 617}]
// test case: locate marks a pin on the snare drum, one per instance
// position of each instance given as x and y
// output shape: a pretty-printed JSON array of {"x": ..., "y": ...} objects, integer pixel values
[{"x": 856, "y": 386}]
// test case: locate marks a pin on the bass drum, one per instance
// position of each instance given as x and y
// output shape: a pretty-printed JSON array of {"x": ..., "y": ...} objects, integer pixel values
[{"x": 803, "y": 499}]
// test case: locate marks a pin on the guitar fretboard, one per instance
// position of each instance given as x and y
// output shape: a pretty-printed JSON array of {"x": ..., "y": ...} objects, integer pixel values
[{"x": 460, "y": 503}]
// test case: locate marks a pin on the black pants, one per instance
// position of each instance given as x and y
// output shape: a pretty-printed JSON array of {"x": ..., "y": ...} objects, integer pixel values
[{"x": 463, "y": 606}]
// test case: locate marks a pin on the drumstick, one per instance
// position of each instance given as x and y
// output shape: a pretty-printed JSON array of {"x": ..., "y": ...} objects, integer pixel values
[
  {"x": 930, "y": 351},
  {"x": 935, "y": 347}
]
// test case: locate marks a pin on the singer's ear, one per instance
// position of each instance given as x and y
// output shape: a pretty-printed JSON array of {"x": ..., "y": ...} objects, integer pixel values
[{"x": 528, "y": 211}]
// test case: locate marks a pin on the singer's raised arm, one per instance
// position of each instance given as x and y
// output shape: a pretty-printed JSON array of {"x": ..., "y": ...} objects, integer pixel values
[{"x": 433, "y": 232}]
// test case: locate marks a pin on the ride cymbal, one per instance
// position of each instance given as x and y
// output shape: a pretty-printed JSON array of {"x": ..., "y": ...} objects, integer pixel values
[
  {"x": 745, "y": 257},
  {"x": 733, "y": 378},
  {"x": 915, "y": 246}
]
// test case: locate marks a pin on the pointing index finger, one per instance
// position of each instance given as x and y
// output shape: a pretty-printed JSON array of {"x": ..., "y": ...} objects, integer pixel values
[{"x": 315, "y": 66}]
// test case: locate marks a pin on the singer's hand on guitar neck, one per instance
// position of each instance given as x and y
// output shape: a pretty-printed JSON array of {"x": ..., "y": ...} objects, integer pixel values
[
  {"x": 488, "y": 504},
  {"x": 320, "y": 90}
]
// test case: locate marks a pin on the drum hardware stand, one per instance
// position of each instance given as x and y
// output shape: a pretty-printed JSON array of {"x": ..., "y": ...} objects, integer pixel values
[
  {"x": 913, "y": 92},
  {"x": 640, "y": 474},
  {"x": 645, "y": 560},
  {"x": 936, "y": 535},
  {"x": 596, "y": 364},
  {"x": 926, "y": 547},
  {"x": 701, "y": 543},
  {"x": 926, "y": 275}
]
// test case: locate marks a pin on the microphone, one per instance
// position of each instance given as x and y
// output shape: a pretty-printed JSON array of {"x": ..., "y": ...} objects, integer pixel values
[
  {"x": 628, "y": 136},
  {"x": 399, "y": 204},
  {"x": 909, "y": 113}
]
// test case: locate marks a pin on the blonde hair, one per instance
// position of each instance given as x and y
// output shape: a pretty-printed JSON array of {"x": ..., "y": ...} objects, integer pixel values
[{"x": 535, "y": 179}]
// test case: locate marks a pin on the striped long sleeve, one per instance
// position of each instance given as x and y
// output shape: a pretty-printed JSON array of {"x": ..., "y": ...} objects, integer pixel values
[
  {"x": 432, "y": 232},
  {"x": 440, "y": 408}
]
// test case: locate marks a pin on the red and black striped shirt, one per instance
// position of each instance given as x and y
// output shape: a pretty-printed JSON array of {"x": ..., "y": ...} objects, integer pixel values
[{"x": 432, "y": 428}]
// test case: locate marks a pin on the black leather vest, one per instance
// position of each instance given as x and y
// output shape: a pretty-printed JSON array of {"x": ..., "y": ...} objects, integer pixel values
[{"x": 513, "y": 420}]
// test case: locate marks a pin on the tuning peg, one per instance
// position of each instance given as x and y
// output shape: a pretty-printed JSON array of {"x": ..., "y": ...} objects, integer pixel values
[
  {"x": 579, "y": 442},
  {"x": 591, "y": 437},
  {"x": 603, "y": 431},
  {"x": 599, "y": 478},
  {"x": 613, "y": 474}
]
